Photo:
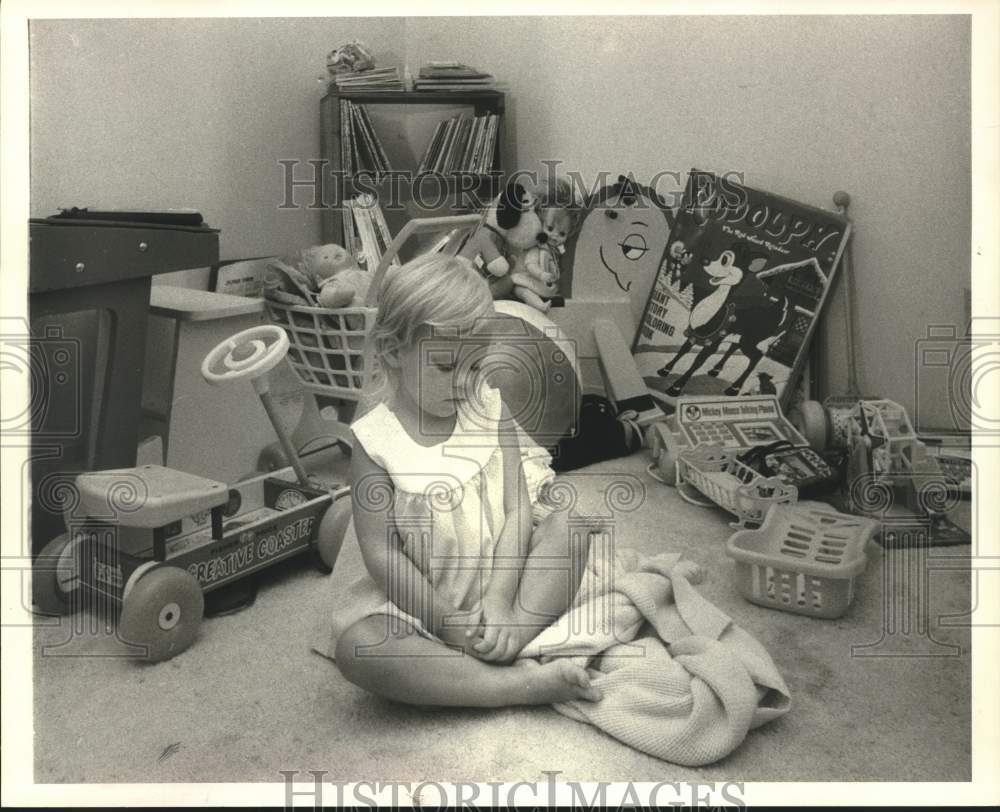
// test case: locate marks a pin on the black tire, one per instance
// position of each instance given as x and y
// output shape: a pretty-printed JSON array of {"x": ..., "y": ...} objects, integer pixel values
[
  {"x": 162, "y": 612},
  {"x": 53, "y": 585}
]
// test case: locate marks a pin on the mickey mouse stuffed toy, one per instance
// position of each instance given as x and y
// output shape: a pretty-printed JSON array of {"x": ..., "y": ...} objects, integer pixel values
[{"x": 511, "y": 226}]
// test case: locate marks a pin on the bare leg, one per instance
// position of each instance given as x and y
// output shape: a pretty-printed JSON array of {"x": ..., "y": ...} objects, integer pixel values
[
  {"x": 528, "y": 296},
  {"x": 406, "y": 667},
  {"x": 551, "y": 577}
]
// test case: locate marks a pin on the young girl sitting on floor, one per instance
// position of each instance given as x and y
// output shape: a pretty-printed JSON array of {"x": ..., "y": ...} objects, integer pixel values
[{"x": 458, "y": 578}]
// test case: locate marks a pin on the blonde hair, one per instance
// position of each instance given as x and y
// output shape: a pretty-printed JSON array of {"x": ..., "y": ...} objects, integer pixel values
[{"x": 433, "y": 290}]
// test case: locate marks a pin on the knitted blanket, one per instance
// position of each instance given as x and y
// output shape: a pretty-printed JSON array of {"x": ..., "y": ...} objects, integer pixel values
[{"x": 680, "y": 680}]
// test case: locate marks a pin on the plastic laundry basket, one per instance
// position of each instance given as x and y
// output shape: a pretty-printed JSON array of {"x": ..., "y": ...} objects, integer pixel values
[{"x": 802, "y": 559}]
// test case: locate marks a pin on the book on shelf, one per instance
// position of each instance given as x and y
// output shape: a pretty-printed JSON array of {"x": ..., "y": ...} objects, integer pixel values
[
  {"x": 360, "y": 147},
  {"x": 478, "y": 163},
  {"x": 382, "y": 157},
  {"x": 477, "y": 145},
  {"x": 347, "y": 228},
  {"x": 435, "y": 70},
  {"x": 452, "y": 76},
  {"x": 449, "y": 134},
  {"x": 471, "y": 142},
  {"x": 359, "y": 140},
  {"x": 461, "y": 144},
  {"x": 421, "y": 84},
  {"x": 453, "y": 162},
  {"x": 368, "y": 81},
  {"x": 346, "y": 157},
  {"x": 365, "y": 140},
  {"x": 431, "y": 150},
  {"x": 366, "y": 233}
]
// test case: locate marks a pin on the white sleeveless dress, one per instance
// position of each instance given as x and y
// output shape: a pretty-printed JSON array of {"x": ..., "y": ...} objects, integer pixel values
[{"x": 448, "y": 504}]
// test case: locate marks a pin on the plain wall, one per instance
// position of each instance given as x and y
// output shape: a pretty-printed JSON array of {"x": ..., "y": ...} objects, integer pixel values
[
  {"x": 191, "y": 113},
  {"x": 878, "y": 106},
  {"x": 197, "y": 113}
]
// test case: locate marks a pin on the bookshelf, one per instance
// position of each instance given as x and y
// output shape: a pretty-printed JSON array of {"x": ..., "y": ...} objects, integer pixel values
[{"x": 484, "y": 185}]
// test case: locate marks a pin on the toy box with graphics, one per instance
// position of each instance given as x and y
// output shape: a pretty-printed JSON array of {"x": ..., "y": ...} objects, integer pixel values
[{"x": 738, "y": 294}]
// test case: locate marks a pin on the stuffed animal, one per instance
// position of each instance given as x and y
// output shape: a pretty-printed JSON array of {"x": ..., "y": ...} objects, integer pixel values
[
  {"x": 511, "y": 227},
  {"x": 536, "y": 278},
  {"x": 326, "y": 275},
  {"x": 335, "y": 276},
  {"x": 348, "y": 288},
  {"x": 320, "y": 262}
]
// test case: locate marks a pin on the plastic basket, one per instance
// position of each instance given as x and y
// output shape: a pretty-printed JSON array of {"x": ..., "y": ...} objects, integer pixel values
[
  {"x": 330, "y": 349},
  {"x": 802, "y": 560},
  {"x": 733, "y": 486}
]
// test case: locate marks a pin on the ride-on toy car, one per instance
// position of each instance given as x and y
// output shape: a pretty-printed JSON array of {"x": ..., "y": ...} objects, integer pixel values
[{"x": 153, "y": 540}]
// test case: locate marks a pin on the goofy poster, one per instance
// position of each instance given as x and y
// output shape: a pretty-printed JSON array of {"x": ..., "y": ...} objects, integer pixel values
[{"x": 738, "y": 294}]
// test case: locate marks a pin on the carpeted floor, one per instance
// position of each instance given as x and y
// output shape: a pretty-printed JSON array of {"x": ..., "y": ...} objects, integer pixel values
[{"x": 249, "y": 698}]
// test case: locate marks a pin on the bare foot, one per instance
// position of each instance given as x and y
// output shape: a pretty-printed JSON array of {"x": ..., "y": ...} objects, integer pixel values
[{"x": 558, "y": 681}]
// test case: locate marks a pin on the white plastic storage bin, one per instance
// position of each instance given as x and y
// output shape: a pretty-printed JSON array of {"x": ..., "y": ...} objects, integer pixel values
[{"x": 802, "y": 559}]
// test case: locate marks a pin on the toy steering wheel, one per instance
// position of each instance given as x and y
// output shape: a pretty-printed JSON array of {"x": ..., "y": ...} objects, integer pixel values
[{"x": 248, "y": 354}]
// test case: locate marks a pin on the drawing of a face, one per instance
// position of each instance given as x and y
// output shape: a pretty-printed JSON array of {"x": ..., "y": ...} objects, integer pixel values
[
  {"x": 627, "y": 243},
  {"x": 619, "y": 249},
  {"x": 724, "y": 271}
]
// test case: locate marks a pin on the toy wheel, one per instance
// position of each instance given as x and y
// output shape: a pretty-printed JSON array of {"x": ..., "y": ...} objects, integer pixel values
[
  {"x": 162, "y": 612},
  {"x": 809, "y": 419},
  {"x": 54, "y": 577},
  {"x": 330, "y": 535}
]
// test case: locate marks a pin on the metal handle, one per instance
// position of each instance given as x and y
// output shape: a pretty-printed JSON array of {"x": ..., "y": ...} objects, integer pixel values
[{"x": 420, "y": 225}]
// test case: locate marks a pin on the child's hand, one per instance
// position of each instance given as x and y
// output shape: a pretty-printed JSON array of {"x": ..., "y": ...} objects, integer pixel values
[{"x": 500, "y": 641}]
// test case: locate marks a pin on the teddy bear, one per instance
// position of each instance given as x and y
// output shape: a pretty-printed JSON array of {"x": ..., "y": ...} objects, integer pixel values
[
  {"x": 510, "y": 228},
  {"x": 535, "y": 279}
]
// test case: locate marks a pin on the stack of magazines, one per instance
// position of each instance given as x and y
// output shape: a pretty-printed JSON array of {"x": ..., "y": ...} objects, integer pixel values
[
  {"x": 368, "y": 81},
  {"x": 452, "y": 76},
  {"x": 360, "y": 147},
  {"x": 462, "y": 144}
]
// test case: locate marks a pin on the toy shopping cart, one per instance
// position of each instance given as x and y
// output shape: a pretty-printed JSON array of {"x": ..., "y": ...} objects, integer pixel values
[
  {"x": 733, "y": 486},
  {"x": 330, "y": 348}
]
